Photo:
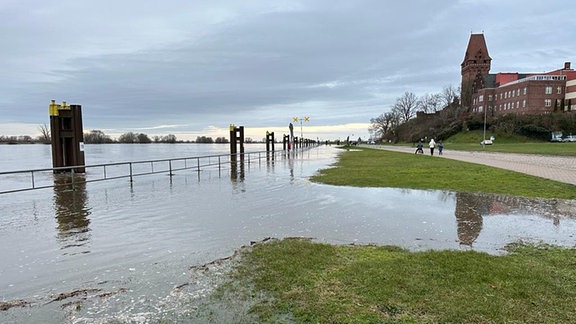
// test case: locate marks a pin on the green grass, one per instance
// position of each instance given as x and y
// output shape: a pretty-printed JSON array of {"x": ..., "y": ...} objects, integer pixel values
[
  {"x": 304, "y": 282},
  {"x": 380, "y": 168},
  {"x": 475, "y": 136},
  {"x": 320, "y": 283},
  {"x": 543, "y": 148},
  {"x": 470, "y": 141}
]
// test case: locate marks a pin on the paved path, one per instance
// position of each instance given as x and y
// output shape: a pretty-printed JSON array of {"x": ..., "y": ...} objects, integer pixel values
[{"x": 557, "y": 168}]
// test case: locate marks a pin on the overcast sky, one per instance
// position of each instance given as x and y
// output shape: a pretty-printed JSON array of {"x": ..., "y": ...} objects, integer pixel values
[{"x": 192, "y": 67}]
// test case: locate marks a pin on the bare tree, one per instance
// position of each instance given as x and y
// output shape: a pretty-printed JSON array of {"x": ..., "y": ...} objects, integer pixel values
[
  {"x": 383, "y": 124},
  {"x": 45, "y": 136},
  {"x": 143, "y": 138},
  {"x": 128, "y": 138},
  {"x": 96, "y": 137},
  {"x": 170, "y": 138},
  {"x": 430, "y": 103},
  {"x": 448, "y": 95},
  {"x": 406, "y": 106},
  {"x": 204, "y": 139}
]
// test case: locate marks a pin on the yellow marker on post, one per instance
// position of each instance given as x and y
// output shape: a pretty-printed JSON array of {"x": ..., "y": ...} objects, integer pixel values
[{"x": 53, "y": 108}]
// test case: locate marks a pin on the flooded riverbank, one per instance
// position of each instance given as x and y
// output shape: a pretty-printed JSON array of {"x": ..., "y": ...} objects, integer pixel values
[{"x": 120, "y": 249}]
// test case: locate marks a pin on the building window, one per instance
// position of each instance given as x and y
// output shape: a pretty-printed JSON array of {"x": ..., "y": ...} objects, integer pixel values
[
  {"x": 548, "y": 103},
  {"x": 481, "y": 98},
  {"x": 548, "y": 90},
  {"x": 525, "y": 90},
  {"x": 524, "y": 103},
  {"x": 517, "y": 92},
  {"x": 517, "y": 104},
  {"x": 559, "y": 90},
  {"x": 489, "y": 97}
]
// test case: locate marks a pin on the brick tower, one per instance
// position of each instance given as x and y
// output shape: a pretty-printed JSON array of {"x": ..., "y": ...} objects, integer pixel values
[{"x": 476, "y": 61}]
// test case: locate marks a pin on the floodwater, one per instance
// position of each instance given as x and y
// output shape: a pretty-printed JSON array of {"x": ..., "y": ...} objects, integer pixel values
[{"x": 116, "y": 250}]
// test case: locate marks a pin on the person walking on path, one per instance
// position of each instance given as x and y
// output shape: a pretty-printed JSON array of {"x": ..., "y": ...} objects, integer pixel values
[
  {"x": 440, "y": 147},
  {"x": 432, "y": 144},
  {"x": 419, "y": 147}
]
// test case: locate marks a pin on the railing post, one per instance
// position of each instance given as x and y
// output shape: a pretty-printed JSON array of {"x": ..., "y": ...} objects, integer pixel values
[{"x": 207, "y": 160}]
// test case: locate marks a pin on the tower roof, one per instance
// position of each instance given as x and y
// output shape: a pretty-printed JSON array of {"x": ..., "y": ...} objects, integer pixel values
[{"x": 476, "y": 50}]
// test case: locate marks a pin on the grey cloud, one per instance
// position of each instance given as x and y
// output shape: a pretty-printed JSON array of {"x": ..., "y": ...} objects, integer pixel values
[{"x": 133, "y": 64}]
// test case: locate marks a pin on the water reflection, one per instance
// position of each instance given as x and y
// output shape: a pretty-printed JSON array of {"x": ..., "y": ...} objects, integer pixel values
[
  {"x": 70, "y": 205},
  {"x": 472, "y": 207},
  {"x": 291, "y": 165},
  {"x": 237, "y": 169},
  {"x": 469, "y": 210}
]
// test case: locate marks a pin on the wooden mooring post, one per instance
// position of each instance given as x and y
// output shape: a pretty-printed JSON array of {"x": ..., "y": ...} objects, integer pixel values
[
  {"x": 286, "y": 142},
  {"x": 236, "y": 138},
  {"x": 269, "y": 141},
  {"x": 67, "y": 136}
]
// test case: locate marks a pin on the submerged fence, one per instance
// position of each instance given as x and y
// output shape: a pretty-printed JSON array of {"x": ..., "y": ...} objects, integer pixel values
[{"x": 24, "y": 180}]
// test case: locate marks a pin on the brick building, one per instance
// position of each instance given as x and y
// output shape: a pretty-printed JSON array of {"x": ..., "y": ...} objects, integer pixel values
[{"x": 516, "y": 93}]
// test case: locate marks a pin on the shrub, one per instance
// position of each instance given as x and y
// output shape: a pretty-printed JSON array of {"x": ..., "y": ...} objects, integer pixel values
[{"x": 534, "y": 132}]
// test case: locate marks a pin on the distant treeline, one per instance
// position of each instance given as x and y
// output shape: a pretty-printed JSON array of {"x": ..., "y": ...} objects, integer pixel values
[
  {"x": 23, "y": 139},
  {"x": 99, "y": 137}
]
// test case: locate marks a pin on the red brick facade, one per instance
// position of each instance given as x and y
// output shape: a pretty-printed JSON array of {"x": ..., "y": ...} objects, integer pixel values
[{"x": 519, "y": 93}]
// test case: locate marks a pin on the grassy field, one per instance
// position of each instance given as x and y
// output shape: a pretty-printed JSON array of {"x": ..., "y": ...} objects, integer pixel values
[
  {"x": 296, "y": 280},
  {"x": 470, "y": 141},
  {"x": 317, "y": 283},
  {"x": 543, "y": 148},
  {"x": 381, "y": 168}
]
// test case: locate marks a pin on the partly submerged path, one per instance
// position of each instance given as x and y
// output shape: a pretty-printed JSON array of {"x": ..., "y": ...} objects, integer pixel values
[{"x": 559, "y": 168}]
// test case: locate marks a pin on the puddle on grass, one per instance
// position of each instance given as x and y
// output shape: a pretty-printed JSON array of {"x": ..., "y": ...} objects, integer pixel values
[
  {"x": 126, "y": 252},
  {"x": 485, "y": 217}
]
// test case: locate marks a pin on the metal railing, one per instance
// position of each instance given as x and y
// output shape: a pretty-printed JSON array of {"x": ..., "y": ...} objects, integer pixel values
[{"x": 24, "y": 180}]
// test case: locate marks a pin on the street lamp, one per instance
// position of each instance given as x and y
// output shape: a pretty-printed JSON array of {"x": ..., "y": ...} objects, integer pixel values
[
  {"x": 484, "y": 136},
  {"x": 296, "y": 119}
]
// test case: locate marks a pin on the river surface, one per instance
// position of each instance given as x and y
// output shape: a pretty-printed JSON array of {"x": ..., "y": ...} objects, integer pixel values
[{"x": 116, "y": 250}]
